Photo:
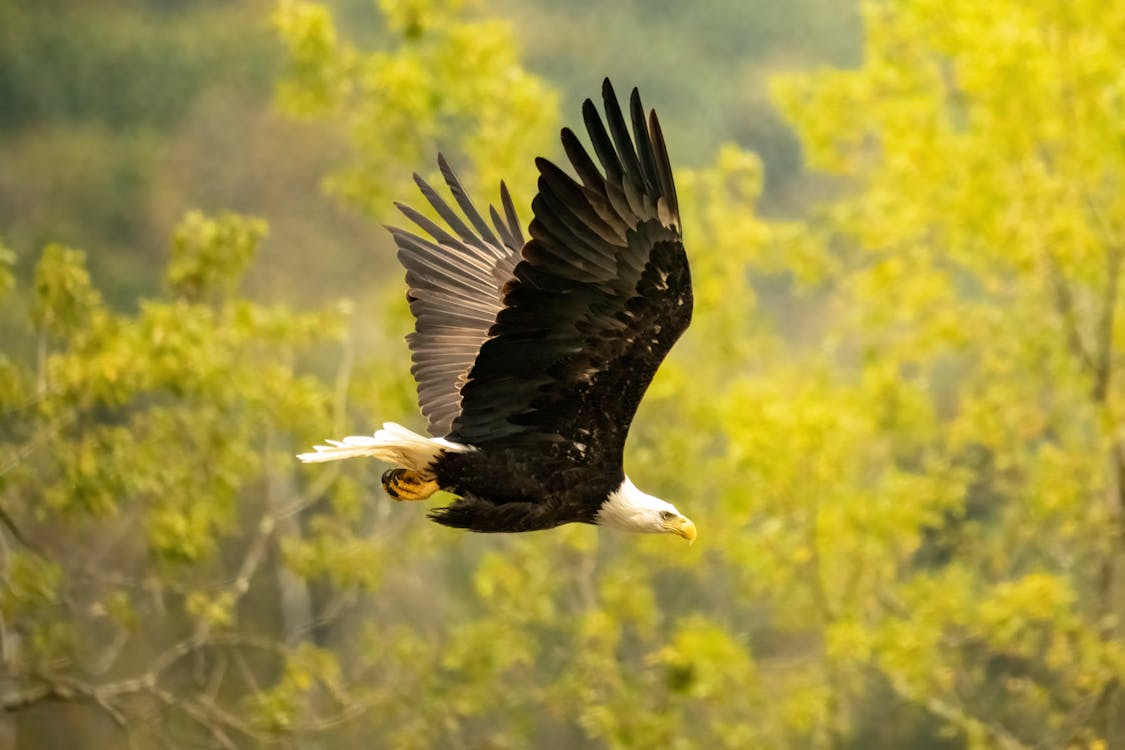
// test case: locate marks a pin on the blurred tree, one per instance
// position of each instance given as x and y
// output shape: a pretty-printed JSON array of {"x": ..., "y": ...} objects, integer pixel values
[
  {"x": 91, "y": 97},
  {"x": 911, "y": 440},
  {"x": 133, "y": 446},
  {"x": 974, "y": 562},
  {"x": 442, "y": 78},
  {"x": 161, "y": 564},
  {"x": 897, "y": 425},
  {"x": 710, "y": 73}
]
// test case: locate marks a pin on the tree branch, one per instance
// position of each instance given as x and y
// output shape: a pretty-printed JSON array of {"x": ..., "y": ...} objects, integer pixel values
[
  {"x": 959, "y": 717},
  {"x": 58, "y": 687},
  {"x": 21, "y": 698},
  {"x": 1064, "y": 305},
  {"x": 339, "y": 415},
  {"x": 13, "y": 530},
  {"x": 1103, "y": 373}
]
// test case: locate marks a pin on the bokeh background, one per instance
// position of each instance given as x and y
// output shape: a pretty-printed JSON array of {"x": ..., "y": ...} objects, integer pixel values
[{"x": 897, "y": 420}]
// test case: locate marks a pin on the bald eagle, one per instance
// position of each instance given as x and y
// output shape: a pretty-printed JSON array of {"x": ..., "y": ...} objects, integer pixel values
[{"x": 532, "y": 357}]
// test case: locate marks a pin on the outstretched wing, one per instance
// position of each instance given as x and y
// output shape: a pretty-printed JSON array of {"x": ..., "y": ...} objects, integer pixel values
[
  {"x": 454, "y": 283},
  {"x": 602, "y": 293}
]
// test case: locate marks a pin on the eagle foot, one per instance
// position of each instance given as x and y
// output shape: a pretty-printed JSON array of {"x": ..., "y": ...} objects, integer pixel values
[{"x": 404, "y": 484}]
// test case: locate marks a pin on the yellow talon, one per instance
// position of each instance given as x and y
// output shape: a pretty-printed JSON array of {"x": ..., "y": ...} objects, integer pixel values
[{"x": 404, "y": 484}]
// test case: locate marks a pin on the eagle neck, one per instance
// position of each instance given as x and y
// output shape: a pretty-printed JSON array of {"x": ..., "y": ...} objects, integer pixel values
[{"x": 629, "y": 509}]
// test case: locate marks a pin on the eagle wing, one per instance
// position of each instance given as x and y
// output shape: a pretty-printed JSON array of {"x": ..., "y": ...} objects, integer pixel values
[
  {"x": 454, "y": 283},
  {"x": 601, "y": 294}
]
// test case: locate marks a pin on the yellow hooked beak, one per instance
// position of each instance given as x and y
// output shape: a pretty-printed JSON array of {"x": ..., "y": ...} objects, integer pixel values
[{"x": 681, "y": 527}]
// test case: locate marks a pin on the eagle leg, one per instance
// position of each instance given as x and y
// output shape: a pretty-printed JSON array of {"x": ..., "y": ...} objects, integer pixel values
[{"x": 405, "y": 484}]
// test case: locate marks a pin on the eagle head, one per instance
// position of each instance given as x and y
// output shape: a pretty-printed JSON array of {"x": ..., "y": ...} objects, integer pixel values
[{"x": 629, "y": 509}]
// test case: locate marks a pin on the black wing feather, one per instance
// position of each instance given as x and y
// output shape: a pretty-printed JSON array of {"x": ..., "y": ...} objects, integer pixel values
[
  {"x": 663, "y": 166},
  {"x": 645, "y": 151},
  {"x": 622, "y": 143},
  {"x": 600, "y": 296},
  {"x": 603, "y": 145},
  {"x": 510, "y": 213}
]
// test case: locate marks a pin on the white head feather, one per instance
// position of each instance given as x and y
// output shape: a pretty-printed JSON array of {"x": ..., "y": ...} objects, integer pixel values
[{"x": 629, "y": 509}]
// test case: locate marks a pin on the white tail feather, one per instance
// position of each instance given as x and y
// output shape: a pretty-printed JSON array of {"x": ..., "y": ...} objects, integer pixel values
[{"x": 393, "y": 444}]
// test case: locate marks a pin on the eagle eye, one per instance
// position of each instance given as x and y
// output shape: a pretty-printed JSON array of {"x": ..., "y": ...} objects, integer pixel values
[{"x": 667, "y": 515}]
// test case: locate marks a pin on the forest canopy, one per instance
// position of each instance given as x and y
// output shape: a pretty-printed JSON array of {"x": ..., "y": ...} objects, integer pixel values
[{"x": 897, "y": 417}]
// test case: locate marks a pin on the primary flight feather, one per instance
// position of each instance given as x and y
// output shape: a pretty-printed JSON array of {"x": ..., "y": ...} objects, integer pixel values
[{"x": 532, "y": 357}]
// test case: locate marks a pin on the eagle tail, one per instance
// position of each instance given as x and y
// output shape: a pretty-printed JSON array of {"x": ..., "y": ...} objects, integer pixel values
[{"x": 393, "y": 444}]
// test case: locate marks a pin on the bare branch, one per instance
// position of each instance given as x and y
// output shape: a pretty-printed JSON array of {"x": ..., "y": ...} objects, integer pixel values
[
  {"x": 1103, "y": 371},
  {"x": 343, "y": 382},
  {"x": 108, "y": 696},
  {"x": 337, "y": 605},
  {"x": 191, "y": 645},
  {"x": 1064, "y": 305},
  {"x": 127, "y": 701},
  {"x": 216, "y": 678},
  {"x": 959, "y": 717},
  {"x": 92, "y": 693},
  {"x": 59, "y": 687},
  {"x": 246, "y": 672},
  {"x": 17, "y": 700},
  {"x": 13, "y": 530},
  {"x": 328, "y": 477},
  {"x": 17, "y": 457},
  {"x": 199, "y": 716}
]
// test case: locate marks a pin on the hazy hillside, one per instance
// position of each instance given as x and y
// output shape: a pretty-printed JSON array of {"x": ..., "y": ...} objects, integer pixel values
[{"x": 119, "y": 115}]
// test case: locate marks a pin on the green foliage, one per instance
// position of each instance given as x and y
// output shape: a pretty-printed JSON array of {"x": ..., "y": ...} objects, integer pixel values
[
  {"x": 210, "y": 257},
  {"x": 32, "y": 584},
  {"x": 64, "y": 299},
  {"x": 140, "y": 440},
  {"x": 978, "y": 292},
  {"x": 444, "y": 79},
  {"x": 54, "y": 70},
  {"x": 99, "y": 103},
  {"x": 7, "y": 260},
  {"x": 333, "y": 551},
  {"x": 895, "y": 421},
  {"x": 317, "y": 78}
]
